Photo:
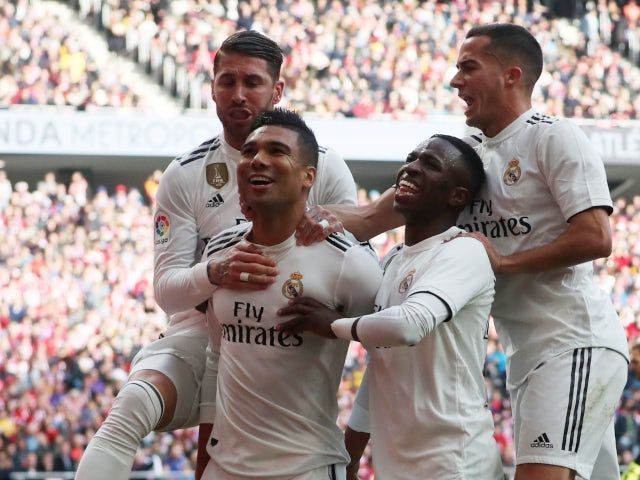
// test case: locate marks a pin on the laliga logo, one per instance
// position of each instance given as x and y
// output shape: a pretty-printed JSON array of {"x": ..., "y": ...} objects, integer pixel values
[{"x": 162, "y": 225}]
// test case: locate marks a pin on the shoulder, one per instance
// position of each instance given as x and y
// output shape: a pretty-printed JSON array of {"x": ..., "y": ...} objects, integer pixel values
[
  {"x": 543, "y": 126},
  {"x": 196, "y": 155},
  {"x": 346, "y": 246},
  {"x": 465, "y": 253},
  {"x": 227, "y": 238},
  {"x": 390, "y": 256},
  {"x": 329, "y": 153},
  {"x": 328, "y": 157}
]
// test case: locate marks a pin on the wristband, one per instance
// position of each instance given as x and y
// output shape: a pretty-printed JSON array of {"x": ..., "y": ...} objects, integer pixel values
[{"x": 354, "y": 329}]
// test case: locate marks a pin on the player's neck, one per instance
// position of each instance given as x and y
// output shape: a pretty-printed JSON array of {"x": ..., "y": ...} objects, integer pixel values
[
  {"x": 274, "y": 226},
  {"x": 417, "y": 231},
  {"x": 511, "y": 111}
]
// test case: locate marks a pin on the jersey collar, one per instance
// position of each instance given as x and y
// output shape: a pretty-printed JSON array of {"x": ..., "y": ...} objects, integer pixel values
[
  {"x": 432, "y": 242},
  {"x": 228, "y": 150},
  {"x": 511, "y": 129}
]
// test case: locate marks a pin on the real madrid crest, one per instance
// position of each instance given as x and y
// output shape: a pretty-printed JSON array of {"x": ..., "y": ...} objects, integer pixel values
[
  {"x": 217, "y": 175},
  {"x": 406, "y": 282},
  {"x": 512, "y": 173},
  {"x": 293, "y": 287}
]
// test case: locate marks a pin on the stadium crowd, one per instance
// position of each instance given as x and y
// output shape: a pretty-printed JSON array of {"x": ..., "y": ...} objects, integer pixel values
[
  {"x": 76, "y": 304},
  {"x": 44, "y": 62},
  {"x": 365, "y": 59},
  {"x": 382, "y": 59}
]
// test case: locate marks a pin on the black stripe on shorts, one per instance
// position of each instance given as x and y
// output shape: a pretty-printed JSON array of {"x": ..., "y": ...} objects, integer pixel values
[{"x": 580, "y": 371}]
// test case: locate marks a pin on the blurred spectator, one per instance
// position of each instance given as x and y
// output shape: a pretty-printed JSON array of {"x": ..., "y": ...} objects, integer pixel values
[
  {"x": 388, "y": 59},
  {"x": 151, "y": 186},
  {"x": 44, "y": 62}
]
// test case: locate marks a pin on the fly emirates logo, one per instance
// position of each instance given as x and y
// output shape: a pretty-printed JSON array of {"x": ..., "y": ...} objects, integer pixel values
[
  {"x": 479, "y": 218},
  {"x": 245, "y": 330}
]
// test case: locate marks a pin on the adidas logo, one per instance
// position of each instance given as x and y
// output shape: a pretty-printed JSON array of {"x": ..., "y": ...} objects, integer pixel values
[
  {"x": 215, "y": 201},
  {"x": 542, "y": 442}
]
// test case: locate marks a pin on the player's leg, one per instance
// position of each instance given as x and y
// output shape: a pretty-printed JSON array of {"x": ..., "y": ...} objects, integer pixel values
[
  {"x": 146, "y": 400},
  {"x": 162, "y": 394},
  {"x": 606, "y": 466},
  {"x": 564, "y": 410}
]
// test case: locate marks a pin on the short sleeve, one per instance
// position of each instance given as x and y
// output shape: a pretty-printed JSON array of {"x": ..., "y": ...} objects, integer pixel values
[{"x": 573, "y": 169}]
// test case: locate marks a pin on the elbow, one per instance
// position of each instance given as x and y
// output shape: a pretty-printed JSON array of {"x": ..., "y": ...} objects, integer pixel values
[
  {"x": 158, "y": 293},
  {"x": 408, "y": 339},
  {"x": 602, "y": 244},
  {"x": 606, "y": 248}
]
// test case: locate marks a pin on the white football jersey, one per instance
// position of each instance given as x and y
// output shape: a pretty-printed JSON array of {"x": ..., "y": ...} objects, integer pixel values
[
  {"x": 197, "y": 199},
  {"x": 275, "y": 407},
  {"x": 427, "y": 410},
  {"x": 541, "y": 171}
]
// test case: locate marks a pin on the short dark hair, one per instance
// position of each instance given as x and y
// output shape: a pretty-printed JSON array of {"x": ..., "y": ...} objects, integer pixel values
[
  {"x": 281, "y": 117},
  {"x": 472, "y": 162},
  {"x": 253, "y": 44},
  {"x": 513, "y": 42}
]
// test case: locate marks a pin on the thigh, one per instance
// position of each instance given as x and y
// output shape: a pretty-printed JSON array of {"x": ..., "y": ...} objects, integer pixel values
[
  {"x": 184, "y": 379},
  {"x": 565, "y": 407}
]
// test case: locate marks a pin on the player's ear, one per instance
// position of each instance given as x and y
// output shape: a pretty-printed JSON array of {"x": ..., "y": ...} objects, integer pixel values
[
  {"x": 213, "y": 91},
  {"x": 309, "y": 176},
  {"x": 513, "y": 76},
  {"x": 459, "y": 197},
  {"x": 278, "y": 88}
]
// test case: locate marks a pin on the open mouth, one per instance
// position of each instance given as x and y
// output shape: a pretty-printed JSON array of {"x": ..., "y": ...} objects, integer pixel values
[
  {"x": 468, "y": 102},
  {"x": 406, "y": 188},
  {"x": 260, "y": 181},
  {"x": 240, "y": 114}
]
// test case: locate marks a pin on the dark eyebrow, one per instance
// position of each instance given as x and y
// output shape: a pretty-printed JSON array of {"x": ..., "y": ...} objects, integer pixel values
[
  {"x": 466, "y": 61},
  {"x": 269, "y": 144},
  {"x": 275, "y": 143}
]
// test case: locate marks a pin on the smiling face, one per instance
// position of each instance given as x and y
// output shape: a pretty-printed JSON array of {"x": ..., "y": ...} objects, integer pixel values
[
  {"x": 431, "y": 182},
  {"x": 480, "y": 81},
  {"x": 271, "y": 171},
  {"x": 242, "y": 89}
]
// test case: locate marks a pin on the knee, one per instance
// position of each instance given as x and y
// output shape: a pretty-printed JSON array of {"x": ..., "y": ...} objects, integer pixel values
[{"x": 165, "y": 387}]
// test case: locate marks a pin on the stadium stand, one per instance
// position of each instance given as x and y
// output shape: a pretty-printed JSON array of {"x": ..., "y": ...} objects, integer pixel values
[
  {"x": 76, "y": 301},
  {"x": 359, "y": 59}
]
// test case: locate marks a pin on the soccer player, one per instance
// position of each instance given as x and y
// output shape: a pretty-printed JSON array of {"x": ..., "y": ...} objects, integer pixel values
[
  {"x": 275, "y": 408},
  {"x": 197, "y": 199},
  {"x": 542, "y": 216},
  {"x": 423, "y": 397}
]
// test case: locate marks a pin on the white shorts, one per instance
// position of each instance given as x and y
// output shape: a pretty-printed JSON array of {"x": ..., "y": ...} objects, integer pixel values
[
  {"x": 181, "y": 357},
  {"x": 328, "y": 472},
  {"x": 563, "y": 412}
]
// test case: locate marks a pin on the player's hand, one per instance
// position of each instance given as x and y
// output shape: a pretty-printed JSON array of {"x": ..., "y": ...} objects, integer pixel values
[
  {"x": 309, "y": 315},
  {"x": 244, "y": 267},
  {"x": 316, "y": 225},
  {"x": 494, "y": 257}
]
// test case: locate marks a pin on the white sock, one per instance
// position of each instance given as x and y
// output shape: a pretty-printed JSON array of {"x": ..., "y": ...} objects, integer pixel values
[{"x": 135, "y": 413}]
